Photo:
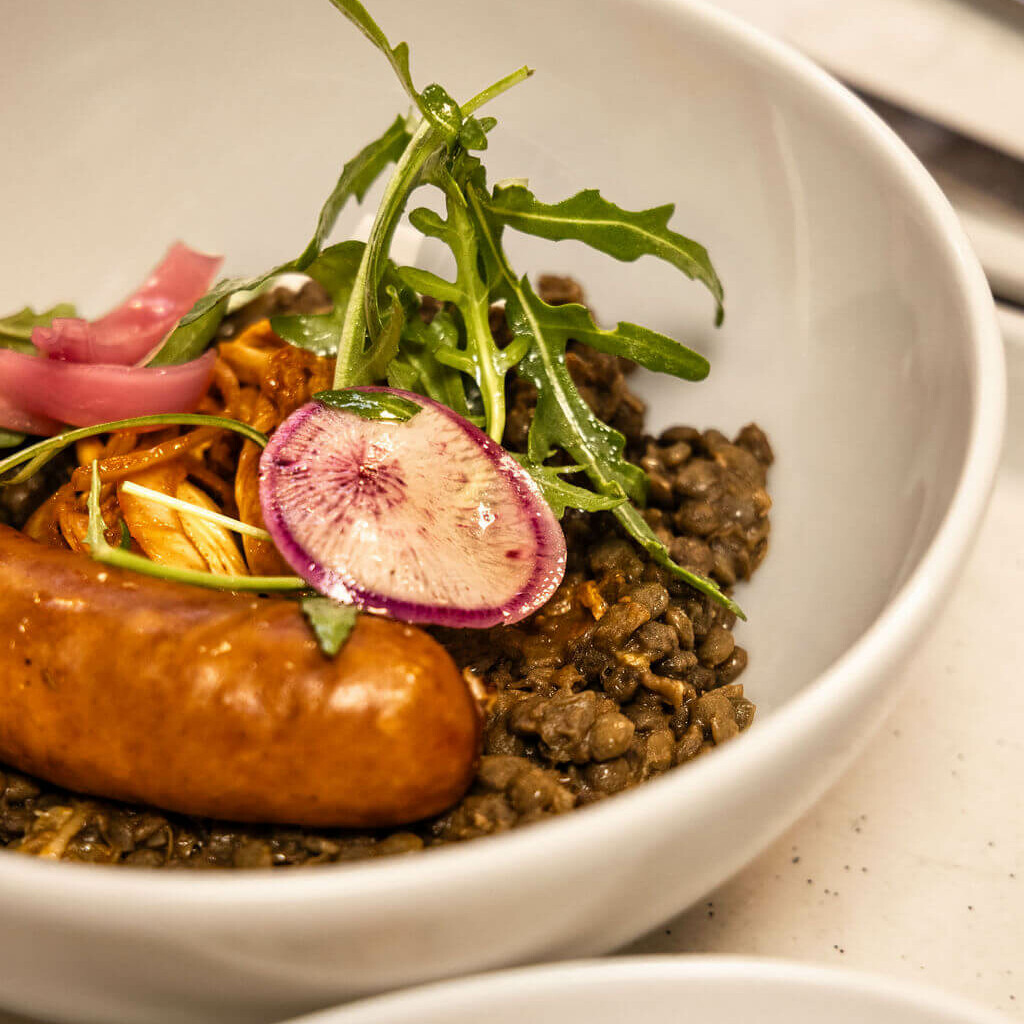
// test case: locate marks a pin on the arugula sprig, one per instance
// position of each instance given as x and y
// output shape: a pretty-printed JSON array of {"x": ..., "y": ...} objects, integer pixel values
[
  {"x": 438, "y": 135},
  {"x": 559, "y": 493},
  {"x": 481, "y": 358},
  {"x": 376, "y": 331},
  {"x": 398, "y": 56},
  {"x": 590, "y": 218},
  {"x": 442, "y": 363},
  {"x": 562, "y": 418}
]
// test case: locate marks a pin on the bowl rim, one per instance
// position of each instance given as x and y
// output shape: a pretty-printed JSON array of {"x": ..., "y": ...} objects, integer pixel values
[
  {"x": 879, "y": 646},
  {"x": 691, "y": 969}
]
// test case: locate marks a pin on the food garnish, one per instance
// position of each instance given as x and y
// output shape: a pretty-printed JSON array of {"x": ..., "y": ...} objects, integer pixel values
[
  {"x": 432, "y": 341},
  {"x": 332, "y": 623},
  {"x": 408, "y": 510},
  {"x": 84, "y": 394},
  {"x": 129, "y": 333}
]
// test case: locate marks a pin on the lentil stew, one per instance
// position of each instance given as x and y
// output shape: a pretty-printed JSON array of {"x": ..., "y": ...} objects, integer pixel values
[{"x": 625, "y": 673}]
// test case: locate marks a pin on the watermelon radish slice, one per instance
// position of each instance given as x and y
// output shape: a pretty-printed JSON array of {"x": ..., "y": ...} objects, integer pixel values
[{"x": 426, "y": 520}]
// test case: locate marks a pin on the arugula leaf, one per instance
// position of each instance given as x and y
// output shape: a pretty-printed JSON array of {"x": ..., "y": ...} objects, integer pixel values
[
  {"x": 10, "y": 439},
  {"x": 16, "y": 329},
  {"x": 562, "y": 418},
  {"x": 418, "y": 367},
  {"x": 639, "y": 529},
  {"x": 627, "y": 235},
  {"x": 474, "y": 132},
  {"x": 370, "y": 405},
  {"x": 397, "y": 56},
  {"x": 560, "y": 494},
  {"x": 224, "y": 289},
  {"x": 355, "y": 180},
  {"x": 189, "y": 341},
  {"x": 332, "y": 623},
  {"x": 441, "y": 111},
  {"x": 641, "y": 344},
  {"x": 404, "y": 376},
  {"x": 335, "y": 269}
]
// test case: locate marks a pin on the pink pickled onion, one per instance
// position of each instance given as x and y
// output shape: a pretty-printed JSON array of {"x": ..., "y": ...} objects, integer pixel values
[
  {"x": 13, "y": 418},
  {"x": 133, "y": 329},
  {"x": 83, "y": 395}
]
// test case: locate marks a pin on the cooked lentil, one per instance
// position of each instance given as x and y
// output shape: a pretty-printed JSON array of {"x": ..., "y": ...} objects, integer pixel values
[{"x": 625, "y": 673}]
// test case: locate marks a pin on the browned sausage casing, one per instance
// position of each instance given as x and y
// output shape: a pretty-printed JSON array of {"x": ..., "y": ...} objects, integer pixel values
[{"x": 119, "y": 685}]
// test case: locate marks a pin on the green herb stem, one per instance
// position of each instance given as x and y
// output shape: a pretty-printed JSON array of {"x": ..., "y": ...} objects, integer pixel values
[
  {"x": 637, "y": 527},
  {"x": 495, "y": 90},
  {"x": 363, "y": 313},
  {"x": 103, "y": 552},
  {"x": 196, "y": 510},
  {"x": 475, "y": 304},
  {"x": 38, "y": 455},
  {"x": 120, "y": 559}
]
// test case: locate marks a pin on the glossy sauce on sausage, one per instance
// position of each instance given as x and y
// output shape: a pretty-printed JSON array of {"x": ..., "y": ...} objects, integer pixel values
[{"x": 222, "y": 705}]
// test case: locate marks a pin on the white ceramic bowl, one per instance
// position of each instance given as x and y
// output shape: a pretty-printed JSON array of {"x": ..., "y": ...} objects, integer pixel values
[
  {"x": 859, "y": 333},
  {"x": 712, "y": 990}
]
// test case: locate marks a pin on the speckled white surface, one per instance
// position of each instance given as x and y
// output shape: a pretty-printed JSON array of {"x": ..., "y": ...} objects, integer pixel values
[{"x": 913, "y": 864}]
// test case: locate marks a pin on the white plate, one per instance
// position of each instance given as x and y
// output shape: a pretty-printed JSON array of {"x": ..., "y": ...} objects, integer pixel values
[{"x": 642, "y": 990}]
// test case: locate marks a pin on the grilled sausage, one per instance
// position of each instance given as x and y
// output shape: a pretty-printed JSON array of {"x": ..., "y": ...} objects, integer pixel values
[{"x": 222, "y": 705}]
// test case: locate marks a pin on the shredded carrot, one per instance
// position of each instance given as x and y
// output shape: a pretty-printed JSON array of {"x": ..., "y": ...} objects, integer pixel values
[
  {"x": 258, "y": 379},
  {"x": 117, "y": 467}
]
